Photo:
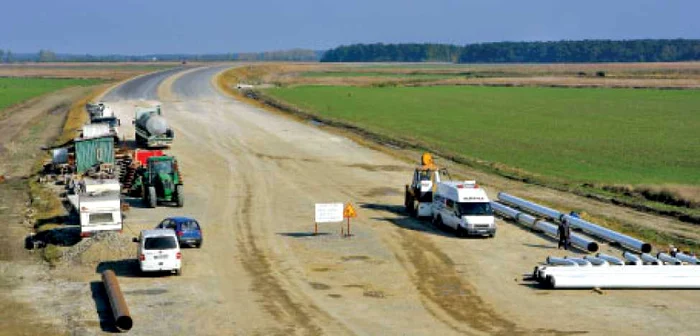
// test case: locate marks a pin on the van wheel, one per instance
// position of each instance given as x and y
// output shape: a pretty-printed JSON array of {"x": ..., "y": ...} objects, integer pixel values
[
  {"x": 493, "y": 234},
  {"x": 461, "y": 232},
  {"x": 199, "y": 245},
  {"x": 178, "y": 272},
  {"x": 409, "y": 204},
  {"x": 438, "y": 222}
]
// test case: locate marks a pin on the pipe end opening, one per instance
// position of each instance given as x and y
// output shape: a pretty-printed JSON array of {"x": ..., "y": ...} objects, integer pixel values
[
  {"x": 646, "y": 248},
  {"x": 124, "y": 323}
]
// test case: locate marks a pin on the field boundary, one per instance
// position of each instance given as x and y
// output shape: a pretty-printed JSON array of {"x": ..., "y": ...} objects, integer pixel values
[{"x": 586, "y": 190}]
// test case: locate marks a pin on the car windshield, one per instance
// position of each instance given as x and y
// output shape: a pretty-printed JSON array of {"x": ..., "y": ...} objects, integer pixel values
[
  {"x": 162, "y": 167},
  {"x": 190, "y": 226},
  {"x": 475, "y": 209},
  {"x": 160, "y": 243}
]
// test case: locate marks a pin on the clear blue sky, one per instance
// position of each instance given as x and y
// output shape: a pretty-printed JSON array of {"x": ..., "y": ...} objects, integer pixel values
[{"x": 212, "y": 26}]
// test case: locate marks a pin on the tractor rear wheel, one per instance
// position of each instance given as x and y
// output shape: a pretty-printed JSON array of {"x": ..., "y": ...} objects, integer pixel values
[
  {"x": 152, "y": 198},
  {"x": 410, "y": 204},
  {"x": 179, "y": 196}
]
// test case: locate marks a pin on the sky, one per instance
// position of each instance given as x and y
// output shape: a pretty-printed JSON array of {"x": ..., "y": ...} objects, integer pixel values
[{"x": 219, "y": 26}]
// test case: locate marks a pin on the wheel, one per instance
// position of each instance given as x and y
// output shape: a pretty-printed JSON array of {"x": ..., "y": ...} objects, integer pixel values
[
  {"x": 199, "y": 245},
  {"x": 178, "y": 272},
  {"x": 461, "y": 232},
  {"x": 179, "y": 196},
  {"x": 410, "y": 205},
  {"x": 493, "y": 234},
  {"x": 152, "y": 198},
  {"x": 438, "y": 222}
]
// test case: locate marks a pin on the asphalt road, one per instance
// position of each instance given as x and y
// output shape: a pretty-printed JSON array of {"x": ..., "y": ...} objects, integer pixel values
[{"x": 252, "y": 178}]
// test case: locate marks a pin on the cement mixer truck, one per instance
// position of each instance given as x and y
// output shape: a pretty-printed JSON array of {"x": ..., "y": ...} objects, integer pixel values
[{"x": 152, "y": 129}]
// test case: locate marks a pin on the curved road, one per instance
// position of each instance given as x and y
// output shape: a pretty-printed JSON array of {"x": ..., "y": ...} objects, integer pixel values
[{"x": 252, "y": 178}]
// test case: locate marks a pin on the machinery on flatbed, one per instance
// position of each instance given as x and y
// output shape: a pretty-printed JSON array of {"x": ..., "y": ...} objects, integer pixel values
[
  {"x": 419, "y": 194},
  {"x": 151, "y": 128},
  {"x": 158, "y": 180}
]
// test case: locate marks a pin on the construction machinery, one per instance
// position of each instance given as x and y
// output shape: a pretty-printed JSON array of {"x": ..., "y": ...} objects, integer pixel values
[
  {"x": 151, "y": 128},
  {"x": 419, "y": 194},
  {"x": 159, "y": 180}
]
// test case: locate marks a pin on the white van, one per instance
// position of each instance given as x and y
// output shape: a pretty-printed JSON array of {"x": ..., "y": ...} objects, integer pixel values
[
  {"x": 159, "y": 251},
  {"x": 465, "y": 207}
]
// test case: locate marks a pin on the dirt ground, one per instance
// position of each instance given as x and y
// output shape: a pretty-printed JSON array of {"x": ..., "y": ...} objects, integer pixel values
[{"x": 252, "y": 178}]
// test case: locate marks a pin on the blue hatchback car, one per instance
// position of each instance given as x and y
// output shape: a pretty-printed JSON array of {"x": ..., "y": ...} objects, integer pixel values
[{"x": 187, "y": 229}]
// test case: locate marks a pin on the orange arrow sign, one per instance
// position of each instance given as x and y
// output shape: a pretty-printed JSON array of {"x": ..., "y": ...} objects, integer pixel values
[{"x": 349, "y": 211}]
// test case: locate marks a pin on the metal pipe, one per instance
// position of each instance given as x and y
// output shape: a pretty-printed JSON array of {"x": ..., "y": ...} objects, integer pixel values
[
  {"x": 687, "y": 258},
  {"x": 561, "y": 261},
  {"x": 632, "y": 259},
  {"x": 548, "y": 228},
  {"x": 596, "y": 261},
  {"x": 650, "y": 259},
  {"x": 666, "y": 281},
  {"x": 122, "y": 318},
  {"x": 668, "y": 259},
  {"x": 607, "y": 234},
  {"x": 579, "y": 261},
  {"x": 610, "y": 259},
  {"x": 533, "y": 207}
]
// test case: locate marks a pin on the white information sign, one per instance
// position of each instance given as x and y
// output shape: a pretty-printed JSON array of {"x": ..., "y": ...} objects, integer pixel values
[{"x": 329, "y": 212}]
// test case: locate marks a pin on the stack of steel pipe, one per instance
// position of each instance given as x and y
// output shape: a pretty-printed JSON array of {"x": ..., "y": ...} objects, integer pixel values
[
  {"x": 548, "y": 228},
  {"x": 592, "y": 229}
]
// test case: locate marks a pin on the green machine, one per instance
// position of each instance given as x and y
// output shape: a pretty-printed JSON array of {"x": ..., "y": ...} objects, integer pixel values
[{"x": 159, "y": 181}]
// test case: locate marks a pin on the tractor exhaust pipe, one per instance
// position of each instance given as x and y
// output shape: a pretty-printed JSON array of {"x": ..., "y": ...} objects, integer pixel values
[{"x": 122, "y": 318}]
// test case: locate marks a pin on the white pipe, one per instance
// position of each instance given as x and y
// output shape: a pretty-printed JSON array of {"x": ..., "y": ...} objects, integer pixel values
[
  {"x": 687, "y": 258},
  {"x": 593, "y": 229},
  {"x": 624, "y": 281},
  {"x": 561, "y": 261},
  {"x": 607, "y": 234},
  {"x": 579, "y": 261},
  {"x": 542, "y": 272},
  {"x": 533, "y": 207},
  {"x": 668, "y": 259},
  {"x": 548, "y": 228},
  {"x": 632, "y": 259},
  {"x": 596, "y": 261},
  {"x": 610, "y": 259},
  {"x": 650, "y": 259}
]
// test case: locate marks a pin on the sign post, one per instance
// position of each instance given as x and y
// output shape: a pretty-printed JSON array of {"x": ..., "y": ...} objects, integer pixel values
[
  {"x": 327, "y": 213},
  {"x": 349, "y": 212}
]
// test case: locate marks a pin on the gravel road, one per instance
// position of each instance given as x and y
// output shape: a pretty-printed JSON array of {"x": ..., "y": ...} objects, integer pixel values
[{"x": 252, "y": 178}]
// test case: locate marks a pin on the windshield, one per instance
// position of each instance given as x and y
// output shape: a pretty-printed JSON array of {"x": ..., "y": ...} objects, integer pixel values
[
  {"x": 475, "y": 209},
  {"x": 162, "y": 167},
  {"x": 111, "y": 121},
  {"x": 160, "y": 243},
  {"x": 424, "y": 175},
  {"x": 190, "y": 226}
]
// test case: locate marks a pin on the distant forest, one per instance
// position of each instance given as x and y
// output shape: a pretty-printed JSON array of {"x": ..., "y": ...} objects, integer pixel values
[{"x": 588, "y": 51}]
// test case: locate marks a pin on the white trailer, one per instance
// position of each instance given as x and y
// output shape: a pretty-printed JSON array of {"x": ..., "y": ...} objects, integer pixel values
[
  {"x": 99, "y": 211},
  {"x": 465, "y": 207}
]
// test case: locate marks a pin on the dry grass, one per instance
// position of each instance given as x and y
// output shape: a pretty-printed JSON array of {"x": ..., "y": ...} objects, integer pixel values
[{"x": 113, "y": 71}]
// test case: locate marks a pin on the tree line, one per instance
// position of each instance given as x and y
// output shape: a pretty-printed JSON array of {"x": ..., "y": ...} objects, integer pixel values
[{"x": 588, "y": 51}]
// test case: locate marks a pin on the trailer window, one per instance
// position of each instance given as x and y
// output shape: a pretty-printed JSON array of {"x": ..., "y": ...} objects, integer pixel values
[
  {"x": 160, "y": 243},
  {"x": 475, "y": 209},
  {"x": 97, "y": 218}
]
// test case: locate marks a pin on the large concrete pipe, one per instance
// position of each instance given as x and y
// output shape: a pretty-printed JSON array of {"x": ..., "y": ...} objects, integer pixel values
[
  {"x": 649, "y": 259},
  {"x": 610, "y": 259},
  {"x": 578, "y": 223},
  {"x": 532, "y": 207},
  {"x": 122, "y": 318},
  {"x": 687, "y": 258},
  {"x": 667, "y": 259},
  {"x": 632, "y": 259},
  {"x": 548, "y": 228}
]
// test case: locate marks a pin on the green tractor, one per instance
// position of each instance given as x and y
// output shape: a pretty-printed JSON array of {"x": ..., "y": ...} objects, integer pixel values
[{"x": 159, "y": 181}]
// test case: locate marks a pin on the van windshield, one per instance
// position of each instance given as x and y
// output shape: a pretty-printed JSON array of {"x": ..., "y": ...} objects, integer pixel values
[
  {"x": 160, "y": 243},
  {"x": 475, "y": 209}
]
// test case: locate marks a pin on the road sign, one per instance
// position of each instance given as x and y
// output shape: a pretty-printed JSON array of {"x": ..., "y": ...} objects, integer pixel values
[
  {"x": 329, "y": 212},
  {"x": 349, "y": 211}
]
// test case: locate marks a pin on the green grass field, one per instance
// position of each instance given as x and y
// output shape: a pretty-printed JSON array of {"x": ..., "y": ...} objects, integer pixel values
[
  {"x": 17, "y": 89},
  {"x": 627, "y": 136}
]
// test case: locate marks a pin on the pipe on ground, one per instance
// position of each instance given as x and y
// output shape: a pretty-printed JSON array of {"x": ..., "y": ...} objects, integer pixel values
[
  {"x": 668, "y": 259},
  {"x": 578, "y": 223},
  {"x": 687, "y": 258},
  {"x": 632, "y": 259},
  {"x": 548, "y": 228},
  {"x": 122, "y": 318},
  {"x": 610, "y": 259},
  {"x": 650, "y": 259}
]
